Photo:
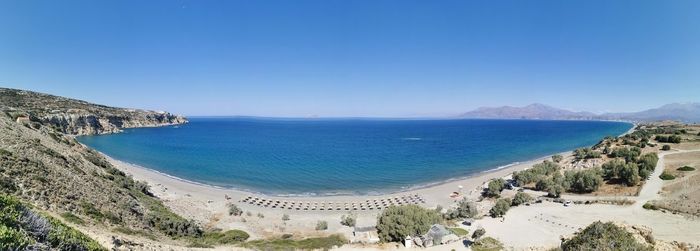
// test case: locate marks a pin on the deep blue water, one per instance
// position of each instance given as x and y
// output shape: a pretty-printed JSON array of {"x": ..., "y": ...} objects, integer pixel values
[{"x": 328, "y": 156}]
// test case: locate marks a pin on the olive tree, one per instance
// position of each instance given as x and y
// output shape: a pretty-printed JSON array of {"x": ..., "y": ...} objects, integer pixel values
[
  {"x": 495, "y": 187},
  {"x": 500, "y": 208},
  {"x": 397, "y": 222}
]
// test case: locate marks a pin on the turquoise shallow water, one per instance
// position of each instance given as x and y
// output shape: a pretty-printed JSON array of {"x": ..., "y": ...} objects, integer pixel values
[{"x": 338, "y": 156}]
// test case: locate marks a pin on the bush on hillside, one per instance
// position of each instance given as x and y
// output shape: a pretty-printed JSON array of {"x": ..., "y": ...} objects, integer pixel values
[
  {"x": 397, "y": 222},
  {"x": 666, "y": 148},
  {"x": 603, "y": 237},
  {"x": 21, "y": 229},
  {"x": 557, "y": 158}
]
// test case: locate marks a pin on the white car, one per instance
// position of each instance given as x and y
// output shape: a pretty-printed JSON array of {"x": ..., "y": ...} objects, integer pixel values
[{"x": 567, "y": 203}]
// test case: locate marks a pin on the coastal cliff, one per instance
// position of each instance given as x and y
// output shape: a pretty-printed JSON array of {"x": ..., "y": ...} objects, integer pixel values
[
  {"x": 42, "y": 168},
  {"x": 77, "y": 117}
]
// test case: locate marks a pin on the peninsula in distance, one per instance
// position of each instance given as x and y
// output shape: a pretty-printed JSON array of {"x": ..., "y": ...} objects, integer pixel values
[{"x": 364, "y": 125}]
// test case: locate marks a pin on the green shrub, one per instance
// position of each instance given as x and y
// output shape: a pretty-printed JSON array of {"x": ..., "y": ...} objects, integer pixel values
[
  {"x": 536, "y": 173},
  {"x": 668, "y": 139},
  {"x": 234, "y": 210},
  {"x": 12, "y": 239},
  {"x": 650, "y": 206},
  {"x": 465, "y": 209},
  {"x": 487, "y": 244},
  {"x": 686, "y": 168},
  {"x": 62, "y": 237},
  {"x": 317, "y": 243},
  {"x": 647, "y": 162},
  {"x": 90, "y": 210},
  {"x": 628, "y": 173},
  {"x": 348, "y": 220},
  {"x": 667, "y": 176},
  {"x": 222, "y": 238},
  {"x": 500, "y": 208},
  {"x": 521, "y": 198},
  {"x": 397, "y": 222},
  {"x": 459, "y": 231},
  {"x": 321, "y": 225},
  {"x": 478, "y": 233},
  {"x": 586, "y": 153},
  {"x": 557, "y": 158},
  {"x": 495, "y": 187},
  {"x": 629, "y": 154},
  {"x": 584, "y": 181},
  {"x": 16, "y": 221},
  {"x": 72, "y": 218},
  {"x": 666, "y": 147},
  {"x": 285, "y": 217},
  {"x": 604, "y": 237}
]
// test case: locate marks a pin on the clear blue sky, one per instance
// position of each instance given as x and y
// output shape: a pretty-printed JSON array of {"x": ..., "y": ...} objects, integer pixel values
[{"x": 354, "y": 58}]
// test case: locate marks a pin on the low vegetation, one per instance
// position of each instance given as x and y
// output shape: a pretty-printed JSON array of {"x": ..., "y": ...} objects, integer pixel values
[
  {"x": 316, "y": 243},
  {"x": 557, "y": 158},
  {"x": 650, "y": 206},
  {"x": 458, "y": 231},
  {"x": 397, "y": 222},
  {"x": 666, "y": 147},
  {"x": 213, "y": 238},
  {"x": 487, "y": 244},
  {"x": 604, "y": 237},
  {"x": 22, "y": 228},
  {"x": 686, "y": 169},
  {"x": 667, "y": 176}
]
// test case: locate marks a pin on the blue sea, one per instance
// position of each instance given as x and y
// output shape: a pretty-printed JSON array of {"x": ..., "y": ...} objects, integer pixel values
[{"x": 342, "y": 156}]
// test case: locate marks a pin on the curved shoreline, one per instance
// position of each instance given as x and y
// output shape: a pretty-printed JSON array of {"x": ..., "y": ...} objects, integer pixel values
[{"x": 513, "y": 166}]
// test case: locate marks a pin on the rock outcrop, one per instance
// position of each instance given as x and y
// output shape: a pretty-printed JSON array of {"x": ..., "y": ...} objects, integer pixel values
[{"x": 77, "y": 117}]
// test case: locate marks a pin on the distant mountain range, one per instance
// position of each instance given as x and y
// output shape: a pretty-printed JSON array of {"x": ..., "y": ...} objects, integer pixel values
[{"x": 685, "y": 112}]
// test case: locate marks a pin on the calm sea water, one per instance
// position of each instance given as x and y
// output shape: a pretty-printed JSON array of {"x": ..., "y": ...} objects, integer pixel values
[{"x": 337, "y": 156}]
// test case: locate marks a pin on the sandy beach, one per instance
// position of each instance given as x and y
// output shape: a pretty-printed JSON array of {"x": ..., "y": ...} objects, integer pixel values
[{"x": 208, "y": 204}]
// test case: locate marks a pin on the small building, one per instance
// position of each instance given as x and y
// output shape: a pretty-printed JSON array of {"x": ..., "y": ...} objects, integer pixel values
[
  {"x": 438, "y": 235},
  {"x": 408, "y": 242},
  {"x": 367, "y": 234}
]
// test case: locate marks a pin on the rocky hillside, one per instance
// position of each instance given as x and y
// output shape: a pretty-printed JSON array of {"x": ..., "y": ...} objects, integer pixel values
[
  {"x": 686, "y": 112},
  {"x": 532, "y": 111},
  {"x": 77, "y": 117}
]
